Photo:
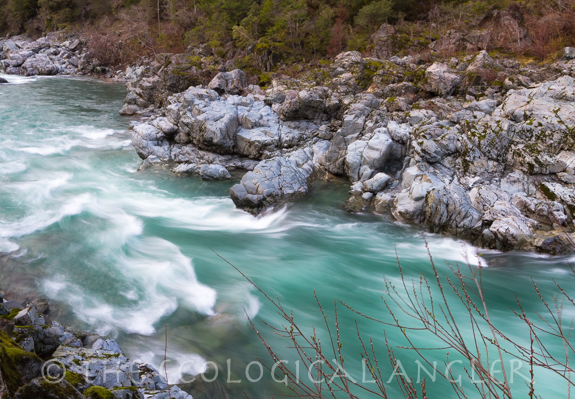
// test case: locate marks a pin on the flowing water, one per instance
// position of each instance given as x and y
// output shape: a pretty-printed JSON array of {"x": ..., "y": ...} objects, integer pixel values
[{"x": 126, "y": 253}]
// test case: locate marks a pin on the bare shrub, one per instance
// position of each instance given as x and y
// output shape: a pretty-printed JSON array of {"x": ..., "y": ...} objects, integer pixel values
[{"x": 416, "y": 308}]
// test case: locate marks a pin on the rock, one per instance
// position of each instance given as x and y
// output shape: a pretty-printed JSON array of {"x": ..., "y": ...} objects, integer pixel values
[
  {"x": 9, "y": 305},
  {"x": 128, "y": 394},
  {"x": 485, "y": 106},
  {"x": 346, "y": 62},
  {"x": 186, "y": 168},
  {"x": 9, "y": 47},
  {"x": 505, "y": 29},
  {"x": 175, "y": 393},
  {"x": 439, "y": 80},
  {"x": 376, "y": 183},
  {"x": 481, "y": 62},
  {"x": 383, "y": 42},
  {"x": 546, "y": 212},
  {"x": 568, "y": 53},
  {"x": 511, "y": 232},
  {"x": 383, "y": 202},
  {"x": 28, "y": 317},
  {"x": 103, "y": 368},
  {"x": 275, "y": 97},
  {"x": 271, "y": 182},
  {"x": 150, "y": 141},
  {"x": 417, "y": 116},
  {"x": 42, "y": 389},
  {"x": 17, "y": 367},
  {"x": 234, "y": 82},
  {"x": 6, "y": 326},
  {"x": 108, "y": 345},
  {"x": 541, "y": 119},
  {"x": 214, "y": 172},
  {"x": 317, "y": 104},
  {"x": 449, "y": 209},
  {"x": 2, "y": 80},
  {"x": 165, "y": 126},
  {"x": 556, "y": 245},
  {"x": 354, "y": 121},
  {"x": 152, "y": 85},
  {"x": 40, "y": 64}
]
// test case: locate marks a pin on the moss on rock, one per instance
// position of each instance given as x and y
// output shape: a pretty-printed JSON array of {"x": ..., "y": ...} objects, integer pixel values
[{"x": 96, "y": 392}]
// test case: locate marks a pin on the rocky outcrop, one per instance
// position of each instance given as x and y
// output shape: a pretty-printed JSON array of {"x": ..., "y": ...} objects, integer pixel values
[
  {"x": 234, "y": 82},
  {"x": 150, "y": 84},
  {"x": 273, "y": 181},
  {"x": 499, "y": 29},
  {"x": 438, "y": 143},
  {"x": 440, "y": 81},
  {"x": 54, "y": 54},
  {"x": 77, "y": 365}
]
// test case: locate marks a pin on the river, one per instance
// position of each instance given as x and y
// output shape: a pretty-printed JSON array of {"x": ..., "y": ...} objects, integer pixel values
[{"x": 124, "y": 253}]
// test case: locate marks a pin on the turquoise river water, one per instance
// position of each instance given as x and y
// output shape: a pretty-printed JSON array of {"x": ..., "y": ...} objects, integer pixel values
[{"x": 126, "y": 253}]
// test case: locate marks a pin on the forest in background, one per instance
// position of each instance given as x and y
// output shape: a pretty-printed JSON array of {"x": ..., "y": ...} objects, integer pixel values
[{"x": 287, "y": 32}]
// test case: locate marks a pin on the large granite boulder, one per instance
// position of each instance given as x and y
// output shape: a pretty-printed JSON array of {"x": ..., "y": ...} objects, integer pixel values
[
  {"x": 317, "y": 104},
  {"x": 273, "y": 181},
  {"x": 234, "y": 82},
  {"x": 439, "y": 80}
]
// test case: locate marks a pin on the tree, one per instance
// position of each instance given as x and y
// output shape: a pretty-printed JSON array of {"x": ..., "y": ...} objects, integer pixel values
[{"x": 374, "y": 14}]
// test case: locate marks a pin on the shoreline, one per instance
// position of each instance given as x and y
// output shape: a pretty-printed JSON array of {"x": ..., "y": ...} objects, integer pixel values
[{"x": 429, "y": 142}]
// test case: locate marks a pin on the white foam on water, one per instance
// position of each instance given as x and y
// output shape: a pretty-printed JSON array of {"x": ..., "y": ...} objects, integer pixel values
[
  {"x": 93, "y": 133},
  {"x": 134, "y": 319},
  {"x": 207, "y": 214},
  {"x": 36, "y": 191},
  {"x": 52, "y": 146},
  {"x": 7, "y": 246},
  {"x": 43, "y": 218},
  {"x": 124, "y": 224},
  {"x": 12, "y": 167},
  {"x": 441, "y": 248},
  {"x": 160, "y": 264},
  {"x": 158, "y": 276},
  {"x": 180, "y": 366},
  {"x": 253, "y": 306},
  {"x": 16, "y": 79}
]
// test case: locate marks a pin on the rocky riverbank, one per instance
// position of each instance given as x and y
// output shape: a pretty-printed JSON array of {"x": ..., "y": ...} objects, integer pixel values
[
  {"x": 40, "y": 358},
  {"x": 479, "y": 147},
  {"x": 54, "y": 54}
]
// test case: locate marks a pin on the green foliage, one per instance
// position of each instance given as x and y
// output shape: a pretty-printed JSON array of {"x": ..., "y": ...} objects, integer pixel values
[
  {"x": 15, "y": 13},
  {"x": 375, "y": 13},
  {"x": 57, "y": 13}
]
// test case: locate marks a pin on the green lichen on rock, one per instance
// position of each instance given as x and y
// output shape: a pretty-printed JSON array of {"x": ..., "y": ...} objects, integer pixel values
[
  {"x": 547, "y": 192},
  {"x": 370, "y": 69},
  {"x": 11, "y": 315},
  {"x": 42, "y": 389},
  {"x": 13, "y": 359},
  {"x": 96, "y": 392},
  {"x": 74, "y": 379}
]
